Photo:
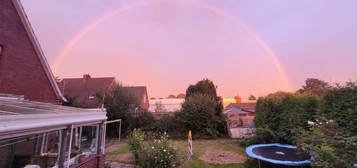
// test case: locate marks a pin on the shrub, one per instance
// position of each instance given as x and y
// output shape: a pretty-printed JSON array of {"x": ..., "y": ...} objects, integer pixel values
[
  {"x": 135, "y": 143},
  {"x": 157, "y": 153},
  {"x": 285, "y": 114},
  {"x": 151, "y": 150}
]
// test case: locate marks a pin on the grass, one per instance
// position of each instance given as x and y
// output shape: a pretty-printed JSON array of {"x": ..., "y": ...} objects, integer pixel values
[
  {"x": 199, "y": 148},
  {"x": 118, "y": 149}
]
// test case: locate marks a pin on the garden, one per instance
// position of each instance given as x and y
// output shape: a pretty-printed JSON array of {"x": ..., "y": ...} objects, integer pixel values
[
  {"x": 203, "y": 150},
  {"x": 319, "y": 119}
]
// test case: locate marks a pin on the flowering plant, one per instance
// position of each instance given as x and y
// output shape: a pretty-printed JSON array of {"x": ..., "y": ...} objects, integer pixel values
[{"x": 155, "y": 152}]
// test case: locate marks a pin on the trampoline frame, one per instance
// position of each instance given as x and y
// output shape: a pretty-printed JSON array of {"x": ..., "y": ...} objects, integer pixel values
[{"x": 250, "y": 153}]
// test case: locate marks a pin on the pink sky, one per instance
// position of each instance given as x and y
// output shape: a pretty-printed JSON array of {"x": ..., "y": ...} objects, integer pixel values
[{"x": 167, "y": 45}]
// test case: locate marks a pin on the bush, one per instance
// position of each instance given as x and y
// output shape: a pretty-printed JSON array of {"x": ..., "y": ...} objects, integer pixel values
[
  {"x": 151, "y": 150},
  {"x": 171, "y": 125},
  {"x": 135, "y": 143},
  {"x": 199, "y": 115},
  {"x": 285, "y": 114},
  {"x": 157, "y": 153}
]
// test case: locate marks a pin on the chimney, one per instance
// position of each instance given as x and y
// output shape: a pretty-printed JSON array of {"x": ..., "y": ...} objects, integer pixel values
[{"x": 86, "y": 77}]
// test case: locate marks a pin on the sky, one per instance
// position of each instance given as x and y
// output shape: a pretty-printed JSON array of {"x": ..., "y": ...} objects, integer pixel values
[{"x": 245, "y": 47}]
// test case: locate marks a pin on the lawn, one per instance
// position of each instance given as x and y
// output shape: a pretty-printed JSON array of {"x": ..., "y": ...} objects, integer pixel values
[{"x": 120, "y": 151}]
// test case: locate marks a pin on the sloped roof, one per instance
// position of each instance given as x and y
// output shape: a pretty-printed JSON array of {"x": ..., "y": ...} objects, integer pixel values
[
  {"x": 250, "y": 107},
  {"x": 235, "y": 111},
  {"x": 137, "y": 91},
  {"x": 30, "y": 33},
  {"x": 140, "y": 93},
  {"x": 82, "y": 88},
  {"x": 22, "y": 117}
]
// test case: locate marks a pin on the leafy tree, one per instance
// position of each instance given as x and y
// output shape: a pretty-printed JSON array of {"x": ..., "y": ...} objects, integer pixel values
[
  {"x": 332, "y": 141},
  {"x": 204, "y": 86},
  {"x": 340, "y": 104},
  {"x": 314, "y": 87},
  {"x": 329, "y": 148},
  {"x": 181, "y": 96},
  {"x": 120, "y": 104},
  {"x": 278, "y": 94},
  {"x": 199, "y": 115},
  {"x": 252, "y": 97},
  {"x": 152, "y": 98},
  {"x": 201, "y": 96},
  {"x": 72, "y": 101},
  {"x": 286, "y": 115},
  {"x": 171, "y": 97}
]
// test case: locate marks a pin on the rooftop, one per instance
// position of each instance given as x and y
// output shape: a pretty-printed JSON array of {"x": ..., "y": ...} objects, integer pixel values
[{"x": 22, "y": 117}]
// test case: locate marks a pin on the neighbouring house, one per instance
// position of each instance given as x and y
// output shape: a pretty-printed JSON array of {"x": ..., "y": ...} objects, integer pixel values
[
  {"x": 240, "y": 119},
  {"x": 140, "y": 92},
  {"x": 36, "y": 131},
  {"x": 249, "y": 107},
  {"x": 83, "y": 90}
]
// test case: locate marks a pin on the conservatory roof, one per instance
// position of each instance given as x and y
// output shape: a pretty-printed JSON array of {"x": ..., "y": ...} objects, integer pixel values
[{"x": 22, "y": 117}]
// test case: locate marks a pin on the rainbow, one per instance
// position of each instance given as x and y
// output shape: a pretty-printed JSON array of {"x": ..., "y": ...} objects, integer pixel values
[{"x": 75, "y": 39}]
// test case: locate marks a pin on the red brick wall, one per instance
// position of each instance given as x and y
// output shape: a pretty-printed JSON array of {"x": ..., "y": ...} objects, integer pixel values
[
  {"x": 21, "y": 71},
  {"x": 5, "y": 154}
]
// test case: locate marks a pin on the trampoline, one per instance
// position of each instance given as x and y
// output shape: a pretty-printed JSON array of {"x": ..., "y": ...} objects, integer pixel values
[{"x": 277, "y": 154}]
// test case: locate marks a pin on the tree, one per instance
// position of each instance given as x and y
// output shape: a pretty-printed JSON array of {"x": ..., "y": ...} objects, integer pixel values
[
  {"x": 204, "y": 86},
  {"x": 207, "y": 88},
  {"x": 325, "y": 142},
  {"x": 120, "y": 104},
  {"x": 171, "y": 97},
  {"x": 314, "y": 87},
  {"x": 252, "y": 97},
  {"x": 181, "y": 96},
  {"x": 199, "y": 115},
  {"x": 72, "y": 101},
  {"x": 159, "y": 108},
  {"x": 332, "y": 141},
  {"x": 340, "y": 104},
  {"x": 286, "y": 115},
  {"x": 201, "y": 96},
  {"x": 238, "y": 99}
]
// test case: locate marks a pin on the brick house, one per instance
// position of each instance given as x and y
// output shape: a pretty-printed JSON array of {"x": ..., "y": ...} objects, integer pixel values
[
  {"x": 240, "y": 119},
  {"x": 84, "y": 90},
  {"x": 140, "y": 92},
  {"x": 35, "y": 130},
  {"x": 21, "y": 56}
]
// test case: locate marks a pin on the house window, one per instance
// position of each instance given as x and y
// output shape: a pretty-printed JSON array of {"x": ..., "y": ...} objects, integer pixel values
[{"x": 1, "y": 49}]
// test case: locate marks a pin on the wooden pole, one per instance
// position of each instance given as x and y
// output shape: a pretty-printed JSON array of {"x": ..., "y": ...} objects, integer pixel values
[{"x": 119, "y": 130}]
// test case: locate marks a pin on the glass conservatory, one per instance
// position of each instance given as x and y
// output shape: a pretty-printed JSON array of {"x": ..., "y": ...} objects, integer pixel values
[{"x": 43, "y": 135}]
